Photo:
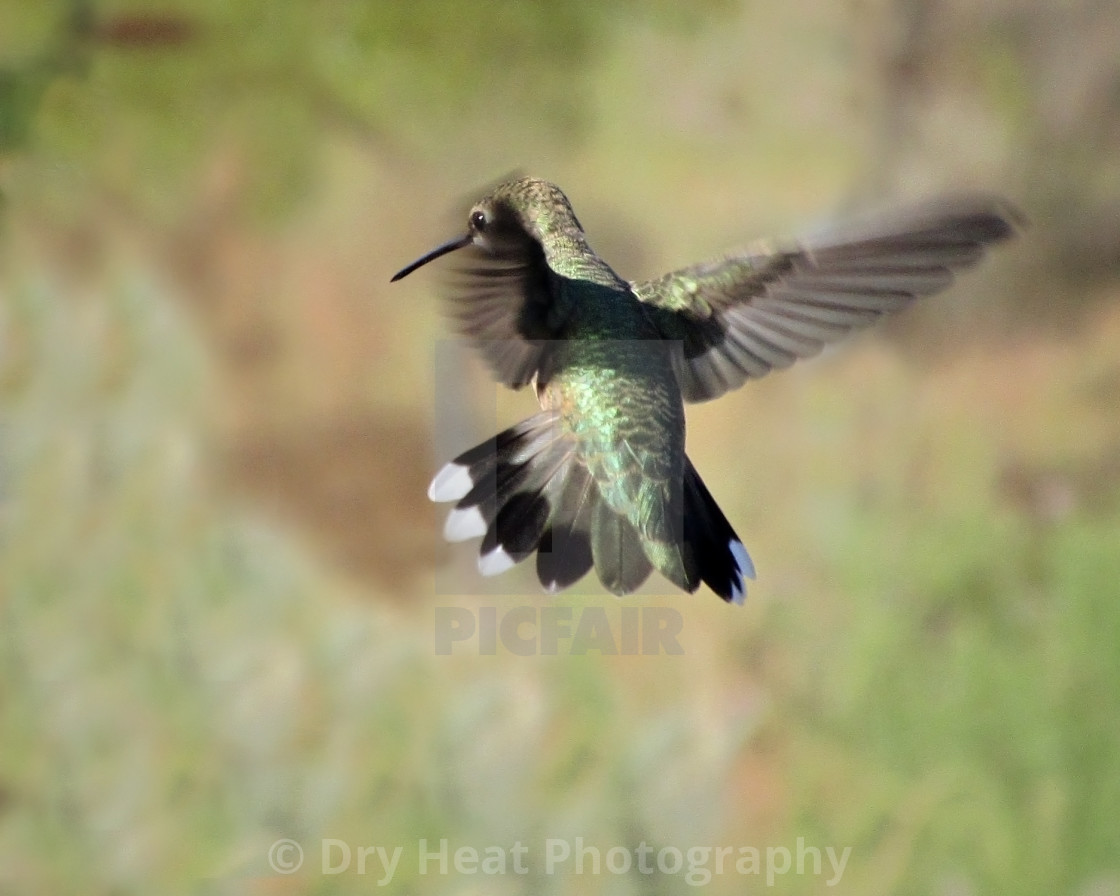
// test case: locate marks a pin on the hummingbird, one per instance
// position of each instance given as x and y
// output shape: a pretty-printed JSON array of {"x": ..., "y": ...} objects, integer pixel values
[{"x": 599, "y": 478}]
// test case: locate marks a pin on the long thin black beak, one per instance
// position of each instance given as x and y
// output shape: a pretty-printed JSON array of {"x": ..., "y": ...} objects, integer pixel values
[{"x": 450, "y": 246}]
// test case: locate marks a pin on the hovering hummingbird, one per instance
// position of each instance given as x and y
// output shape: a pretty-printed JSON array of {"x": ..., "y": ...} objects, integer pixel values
[{"x": 599, "y": 478}]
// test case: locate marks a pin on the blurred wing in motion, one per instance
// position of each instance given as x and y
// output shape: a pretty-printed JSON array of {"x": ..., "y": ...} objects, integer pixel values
[
  {"x": 744, "y": 315},
  {"x": 503, "y": 304}
]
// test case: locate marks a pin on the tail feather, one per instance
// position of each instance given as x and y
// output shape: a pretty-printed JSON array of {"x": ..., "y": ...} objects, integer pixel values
[
  {"x": 513, "y": 490},
  {"x": 518, "y": 509},
  {"x": 514, "y": 534},
  {"x": 620, "y": 558},
  {"x": 565, "y": 555},
  {"x": 526, "y": 491},
  {"x": 483, "y": 479},
  {"x": 718, "y": 555}
]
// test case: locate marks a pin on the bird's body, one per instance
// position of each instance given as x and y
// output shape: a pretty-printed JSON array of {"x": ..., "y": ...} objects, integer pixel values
[{"x": 600, "y": 477}]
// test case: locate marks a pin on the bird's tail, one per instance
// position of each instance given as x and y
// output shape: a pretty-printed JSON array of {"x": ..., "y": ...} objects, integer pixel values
[
  {"x": 718, "y": 557},
  {"x": 526, "y": 491},
  {"x": 521, "y": 492}
]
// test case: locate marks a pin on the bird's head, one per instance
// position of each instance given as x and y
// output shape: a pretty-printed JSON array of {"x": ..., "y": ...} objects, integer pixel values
[{"x": 508, "y": 220}]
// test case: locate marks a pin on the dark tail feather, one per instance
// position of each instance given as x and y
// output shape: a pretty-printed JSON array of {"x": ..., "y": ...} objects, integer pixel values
[
  {"x": 564, "y": 556},
  {"x": 521, "y": 492},
  {"x": 717, "y": 554},
  {"x": 620, "y": 559}
]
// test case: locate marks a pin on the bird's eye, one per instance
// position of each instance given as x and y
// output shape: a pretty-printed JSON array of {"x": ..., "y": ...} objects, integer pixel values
[{"x": 478, "y": 220}]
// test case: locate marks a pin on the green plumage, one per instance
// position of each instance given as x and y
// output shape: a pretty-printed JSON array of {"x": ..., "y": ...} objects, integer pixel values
[{"x": 601, "y": 478}]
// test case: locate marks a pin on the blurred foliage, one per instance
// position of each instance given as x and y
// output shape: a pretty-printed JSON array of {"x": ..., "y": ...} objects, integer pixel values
[
  {"x": 1046, "y": 79},
  {"x": 181, "y": 687},
  {"x": 216, "y": 586},
  {"x": 273, "y": 77}
]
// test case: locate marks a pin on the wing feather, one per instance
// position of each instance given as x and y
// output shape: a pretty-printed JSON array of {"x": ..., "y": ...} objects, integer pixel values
[
  {"x": 743, "y": 315},
  {"x": 503, "y": 303}
]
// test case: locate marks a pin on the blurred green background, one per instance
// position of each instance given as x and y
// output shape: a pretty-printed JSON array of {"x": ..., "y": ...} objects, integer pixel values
[{"x": 220, "y": 570}]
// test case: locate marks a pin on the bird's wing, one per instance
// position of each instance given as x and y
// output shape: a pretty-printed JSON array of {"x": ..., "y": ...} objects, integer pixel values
[
  {"x": 509, "y": 304},
  {"x": 744, "y": 315}
]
